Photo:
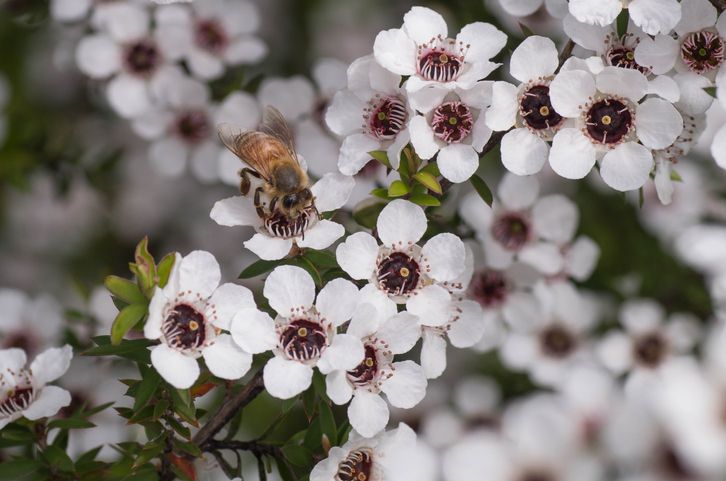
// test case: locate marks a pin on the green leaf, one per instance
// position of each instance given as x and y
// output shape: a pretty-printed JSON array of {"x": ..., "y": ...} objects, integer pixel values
[
  {"x": 381, "y": 193},
  {"x": 309, "y": 266},
  {"x": 321, "y": 259},
  {"x": 526, "y": 31},
  {"x": 309, "y": 399},
  {"x": 297, "y": 455},
  {"x": 18, "y": 468},
  {"x": 163, "y": 269},
  {"x": 622, "y": 22},
  {"x": 398, "y": 189},
  {"x": 367, "y": 216},
  {"x": 150, "y": 380},
  {"x": 710, "y": 91},
  {"x": 381, "y": 156},
  {"x": 188, "y": 447},
  {"x": 135, "y": 349},
  {"x": 425, "y": 200},
  {"x": 482, "y": 189},
  {"x": 127, "y": 319},
  {"x": 327, "y": 423},
  {"x": 675, "y": 176},
  {"x": 70, "y": 423},
  {"x": 124, "y": 289},
  {"x": 58, "y": 458},
  {"x": 260, "y": 267},
  {"x": 145, "y": 267},
  {"x": 429, "y": 181},
  {"x": 431, "y": 168},
  {"x": 160, "y": 408}
]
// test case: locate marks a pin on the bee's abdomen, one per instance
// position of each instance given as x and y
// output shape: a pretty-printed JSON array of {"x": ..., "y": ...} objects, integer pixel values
[{"x": 287, "y": 178}]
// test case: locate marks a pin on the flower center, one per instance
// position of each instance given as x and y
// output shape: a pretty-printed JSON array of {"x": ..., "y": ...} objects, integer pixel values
[
  {"x": 285, "y": 227},
  {"x": 452, "y": 121},
  {"x": 142, "y": 57},
  {"x": 650, "y": 349},
  {"x": 440, "y": 59},
  {"x": 16, "y": 400},
  {"x": 386, "y": 118},
  {"x": 536, "y": 109},
  {"x": 356, "y": 466},
  {"x": 211, "y": 36},
  {"x": 557, "y": 341},
  {"x": 703, "y": 51},
  {"x": 624, "y": 57},
  {"x": 366, "y": 371},
  {"x": 303, "y": 340},
  {"x": 489, "y": 288},
  {"x": 193, "y": 126},
  {"x": 398, "y": 274},
  {"x": 511, "y": 230},
  {"x": 184, "y": 328},
  {"x": 609, "y": 121},
  {"x": 25, "y": 340}
]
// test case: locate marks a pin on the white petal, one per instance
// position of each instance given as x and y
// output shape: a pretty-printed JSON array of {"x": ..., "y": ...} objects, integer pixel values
[
  {"x": 696, "y": 15},
  {"x": 98, "y": 56},
  {"x": 658, "y": 54},
  {"x": 234, "y": 211},
  {"x": 615, "y": 352},
  {"x": 655, "y": 16},
  {"x": 535, "y": 57},
  {"x": 433, "y": 354},
  {"x": 544, "y": 256},
  {"x": 572, "y": 155},
  {"x": 458, "y": 162},
  {"x": 338, "y": 388},
  {"x": 718, "y": 147},
  {"x": 177, "y": 369},
  {"x": 484, "y": 40},
  {"x": 422, "y": 24},
  {"x": 199, "y": 273},
  {"x": 401, "y": 223},
  {"x": 518, "y": 192},
  {"x": 227, "y": 300},
  {"x": 400, "y": 332},
  {"x": 332, "y": 191},
  {"x": 570, "y": 90},
  {"x": 694, "y": 100},
  {"x": 168, "y": 156},
  {"x": 128, "y": 96},
  {"x": 581, "y": 258},
  {"x": 627, "y": 166},
  {"x": 641, "y": 315},
  {"x": 203, "y": 162},
  {"x": 225, "y": 360},
  {"x": 124, "y": 21},
  {"x": 665, "y": 87},
  {"x": 293, "y": 97},
  {"x": 522, "y": 311},
  {"x": 289, "y": 289},
  {"x": 354, "y": 152},
  {"x": 469, "y": 328},
  {"x": 268, "y": 248},
  {"x": 502, "y": 114},
  {"x": 407, "y": 386},
  {"x": 432, "y": 305},
  {"x": 395, "y": 51},
  {"x": 555, "y": 218},
  {"x": 521, "y": 8},
  {"x": 321, "y": 235},
  {"x": 587, "y": 35},
  {"x": 245, "y": 50},
  {"x": 69, "y": 10},
  {"x": 12, "y": 359},
  {"x": 368, "y": 413},
  {"x": 49, "y": 402},
  {"x": 285, "y": 379},
  {"x": 445, "y": 256},
  {"x": 425, "y": 95},
  {"x": 422, "y": 137},
  {"x": 344, "y": 353},
  {"x": 523, "y": 153},
  {"x": 204, "y": 65},
  {"x": 357, "y": 255},
  {"x": 343, "y": 116},
  {"x": 240, "y": 109},
  {"x": 599, "y": 12},
  {"x": 658, "y": 123},
  {"x": 627, "y": 83},
  {"x": 253, "y": 331},
  {"x": 365, "y": 321},
  {"x": 51, "y": 364},
  {"x": 337, "y": 301}
]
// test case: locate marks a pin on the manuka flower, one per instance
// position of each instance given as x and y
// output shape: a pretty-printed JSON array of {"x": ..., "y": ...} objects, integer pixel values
[
  {"x": 303, "y": 335},
  {"x": 434, "y": 62},
  {"x": 653, "y": 16},
  {"x": 187, "y": 316},
  {"x": 23, "y": 391},
  {"x": 274, "y": 240},
  {"x": 400, "y": 268},
  {"x": 30, "y": 324}
]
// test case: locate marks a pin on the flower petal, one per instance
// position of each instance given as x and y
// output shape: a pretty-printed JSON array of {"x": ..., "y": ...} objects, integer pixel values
[
  {"x": 658, "y": 123},
  {"x": 458, "y": 162},
  {"x": 337, "y": 301},
  {"x": 354, "y": 154},
  {"x": 321, "y": 235},
  {"x": 268, "y": 248},
  {"x": 338, "y": 388},
  {"x": 225, "y": 360},
  {"x": 544, "y": 256},
  {"x": 289, "y": 289},
  {"x": 623, "y": 82},
  {"x": 407, "y": 386},
  {"x": 368, "y": 413},
  {"x": 502, "y": 113},
  {"x": 234, "y": 211},
  {"x": 469, "y": 328},
  {"x": 518, "y": 192},
  {"x": 555, "y": 218},
  {"x": 357, "y": 255},
  {"x": 588, "y": 36},
  {"x": 12, "y": 359},
  {"x": 344, "y": 353},
  {"x": 484, "y": 40},
  {"x": 523, "y": 153},
  {"x": 128, "y": 96},
  {"x": 655, "y": 16},
  {"x": 598, "y": 12},
  {"x": 422, "y": 24},
  {"x": 432, "y": 305},
  {"x": 445, "y": 256},
  {"x": 401, "y": 223},
  {"x": 433, "y": 354},
  {"x": 422, "y": 137},
  {"x": 581, "y": 258},
  {"x": 51, "y": 364},
  {"x": 535, "y": 57},
  {"x": 569, "y": 90},
  {"x": 49, "y": 402},
  {"x": 627, "y": 166},
  {"x": 395, "y": 51},
  {"x": 572, "y": 155},
  {"x": 253, "y": 331},
  {"x": 199, "y": 273},
  {"x": 659, "y": 54},
  {"x": 285, "y": 379},
  {"x": 176, "y": 368},
  {"x": 400, "y": 332},
  {"x": 98, "y": 56}
]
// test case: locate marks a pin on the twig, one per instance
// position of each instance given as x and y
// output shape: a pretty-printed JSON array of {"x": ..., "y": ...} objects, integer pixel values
[
  {"x": 254, "y": 447},
  {"x": 566, "y": 52}
]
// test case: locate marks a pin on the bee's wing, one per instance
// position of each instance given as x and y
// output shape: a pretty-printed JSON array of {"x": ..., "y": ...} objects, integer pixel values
[
  {"x": 250, "y": 146},
  {"x": 274, "y": 124}
]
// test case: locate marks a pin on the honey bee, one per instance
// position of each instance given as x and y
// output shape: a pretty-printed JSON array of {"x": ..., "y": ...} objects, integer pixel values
[{"x": 270, "y": 157}]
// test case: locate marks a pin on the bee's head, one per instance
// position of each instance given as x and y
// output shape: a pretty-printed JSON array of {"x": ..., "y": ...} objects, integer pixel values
[{"x": 293, "y": 204}]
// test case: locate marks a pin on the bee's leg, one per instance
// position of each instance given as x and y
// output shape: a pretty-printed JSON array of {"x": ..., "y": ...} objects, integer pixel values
[
  {"x": 258, "y": 205},
  {"x": 273, "y": 203},
  {"x": 244, "y": 183}
]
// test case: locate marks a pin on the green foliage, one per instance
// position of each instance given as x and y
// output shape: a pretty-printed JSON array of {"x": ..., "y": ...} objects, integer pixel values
[{"x": 482, "y": 189}]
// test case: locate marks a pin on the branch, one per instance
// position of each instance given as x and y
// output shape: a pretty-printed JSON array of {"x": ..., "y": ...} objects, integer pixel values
[
  {"x": 254, "y": 447},
  {"x": 566, "y": 52}
]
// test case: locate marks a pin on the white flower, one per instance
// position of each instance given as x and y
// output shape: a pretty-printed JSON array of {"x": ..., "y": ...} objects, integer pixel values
[
  {"x": 453, "y": 126},
  {"x": 373, "y": 94},
  {"x": 23, "y": 392},
  {"x": 384, "y": 334},
  {"x": 75, "y": 10},
  {"x": 386, "y": 457},
  {"x": 615, "y": 124},
  {"x": 303, "y": 335},
  {"x": 653, "y": 16},
  {"x": 126, "y": 52},
  {"x": 29, "y": 324},
  {"x": 400, "y": 268},
  {"x": 183, "y": 126},
  {"x": 331, "y": 192},
  {"x": 525, "y": 8},
  {"x": 211, "y": 35},
  {"x": 527, "y": 107},
  {"x": 187, "y": 316},
  {"x": 422, "y": 49},
  {"x": 647, "y": 342}
]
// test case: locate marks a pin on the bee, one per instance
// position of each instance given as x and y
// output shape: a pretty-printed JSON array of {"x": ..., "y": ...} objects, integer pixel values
[{"x": 270, "y": 157}]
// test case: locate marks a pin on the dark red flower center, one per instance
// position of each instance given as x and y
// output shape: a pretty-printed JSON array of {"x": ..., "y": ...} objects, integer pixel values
[
  {"x": 211, "y": 36},
  {"x": 184, "y": 328},
  {"x": 624, "y": 57},
  {"x": 193, "y": 126},
  {"x": 536, "y": 109},
  {"x": 609, "y": 121},
  {"x": 512, "y": 230},
  {"x": 366, "y": 371},
  {"x": 356, "y": 466},
  {"x": 650, "y": 349},
  {"x": 439, "y": 60},
  {"x": 398, "y": 274},
  {"x": 489, "y": 288},
  {"x": 452, "y": 121},
  {"x": 303, "y": 340},
  {"x": 16, "y": 400},
  {"x": 703, "y": 51},
  {"x": 142, "y": 57},
  {"x": 386, "y": 118},
  {"x": 557, "y": 341}
]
